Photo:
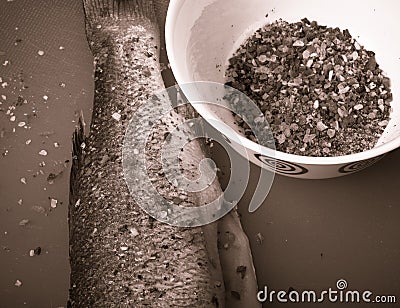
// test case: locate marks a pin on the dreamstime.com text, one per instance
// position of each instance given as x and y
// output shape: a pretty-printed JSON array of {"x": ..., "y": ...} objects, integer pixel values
[{"x": 338, "y": 295}]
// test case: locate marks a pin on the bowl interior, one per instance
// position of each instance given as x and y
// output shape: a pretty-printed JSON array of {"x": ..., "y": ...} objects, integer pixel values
[{"x": 202, "y": 35}]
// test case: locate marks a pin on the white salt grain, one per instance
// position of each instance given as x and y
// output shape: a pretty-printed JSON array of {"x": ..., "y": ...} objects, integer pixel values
[
  {"x": 298, "y": 43},
  {"x": 321, "y": 126},
  {"x": 53, "y": 203},
  {"x": 18, "y": 283},
  {"x": 116, "y": 116},
  {"x": 358, "y": 107}
]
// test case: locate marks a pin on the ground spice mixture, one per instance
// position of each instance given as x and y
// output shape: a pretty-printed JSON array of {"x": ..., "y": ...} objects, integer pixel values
[{"x": 322, "y": 93}]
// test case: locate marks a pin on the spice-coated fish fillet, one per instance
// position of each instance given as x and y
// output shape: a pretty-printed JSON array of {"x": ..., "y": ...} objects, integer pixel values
[{"x": 120, "y": 256}]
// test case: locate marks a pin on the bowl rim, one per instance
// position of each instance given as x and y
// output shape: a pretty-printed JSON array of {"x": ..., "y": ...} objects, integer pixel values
[{"x": 173, "y": 11}]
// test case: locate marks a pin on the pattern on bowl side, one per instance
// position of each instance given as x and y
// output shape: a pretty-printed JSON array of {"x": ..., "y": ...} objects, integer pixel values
[
  {"x": 359, "y": 165},
  {"x": 281, "y": 167},
  {"x": 291, "y": 169}
]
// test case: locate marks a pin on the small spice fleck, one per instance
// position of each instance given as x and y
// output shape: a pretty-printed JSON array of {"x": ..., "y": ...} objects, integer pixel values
[
  {"x": 259, "y": 238},
  {"x": 262, "y": 58},
  {"x": 358, "y": 107},
  {"x": 321, "y": 126},
  {"x": 18, "y": 283},
  {"x": 383, "y": 123},
  {"x": 38, "y": 251},
  {"x": 116, "y": 116},
  {"x": 53, "y": 203},
  {"x": 23, "y": 222},
  {"x": 331, "y": 133},
  {"x": 298, "y": 43}
]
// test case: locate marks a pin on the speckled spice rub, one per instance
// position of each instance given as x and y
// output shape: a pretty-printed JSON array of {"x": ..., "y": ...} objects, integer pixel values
[
  {"x": 119, "y": 255},
  {"x": 322, "y": 93}
]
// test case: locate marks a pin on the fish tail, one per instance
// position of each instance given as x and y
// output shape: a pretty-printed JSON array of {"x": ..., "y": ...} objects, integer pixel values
[
  {"x": 160, "y": 9},
  {"x": 106, "y": 20},
  {"x": 99, "y": 9}
]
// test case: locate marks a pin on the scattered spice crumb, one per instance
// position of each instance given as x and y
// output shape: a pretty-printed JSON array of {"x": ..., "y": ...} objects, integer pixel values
[
  {"x": 241, "y": 270},
  {"x": 40, "y": 52},
  {"x": 35, "y": 252},
  {"x": 18, "y": 282},
  {"x": 133, "y": 231},
  {"x": 38, "y": 251},
  {"x": 53, "y": 203},
  {"x": 23, "y": 222},
  {"x": 52, "y": 176},
  {"x": 116, "y": 116},
  {"x": 259, "y": 238}
]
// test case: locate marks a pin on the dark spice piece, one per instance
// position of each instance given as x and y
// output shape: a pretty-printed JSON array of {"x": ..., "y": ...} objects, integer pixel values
[
  {"x": 38, "y": 251},
  {"x": 242, "y": 270},
  {"x": 322, "y": 93},
  {"x": 235, "y": 295}
]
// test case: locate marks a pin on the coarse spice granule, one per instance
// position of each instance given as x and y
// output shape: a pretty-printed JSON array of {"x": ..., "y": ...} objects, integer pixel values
[{"x": 322, "y": 93}]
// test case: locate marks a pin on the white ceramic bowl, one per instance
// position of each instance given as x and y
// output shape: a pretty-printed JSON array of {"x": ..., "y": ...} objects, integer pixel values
[{"x": 201, "y": 35}]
